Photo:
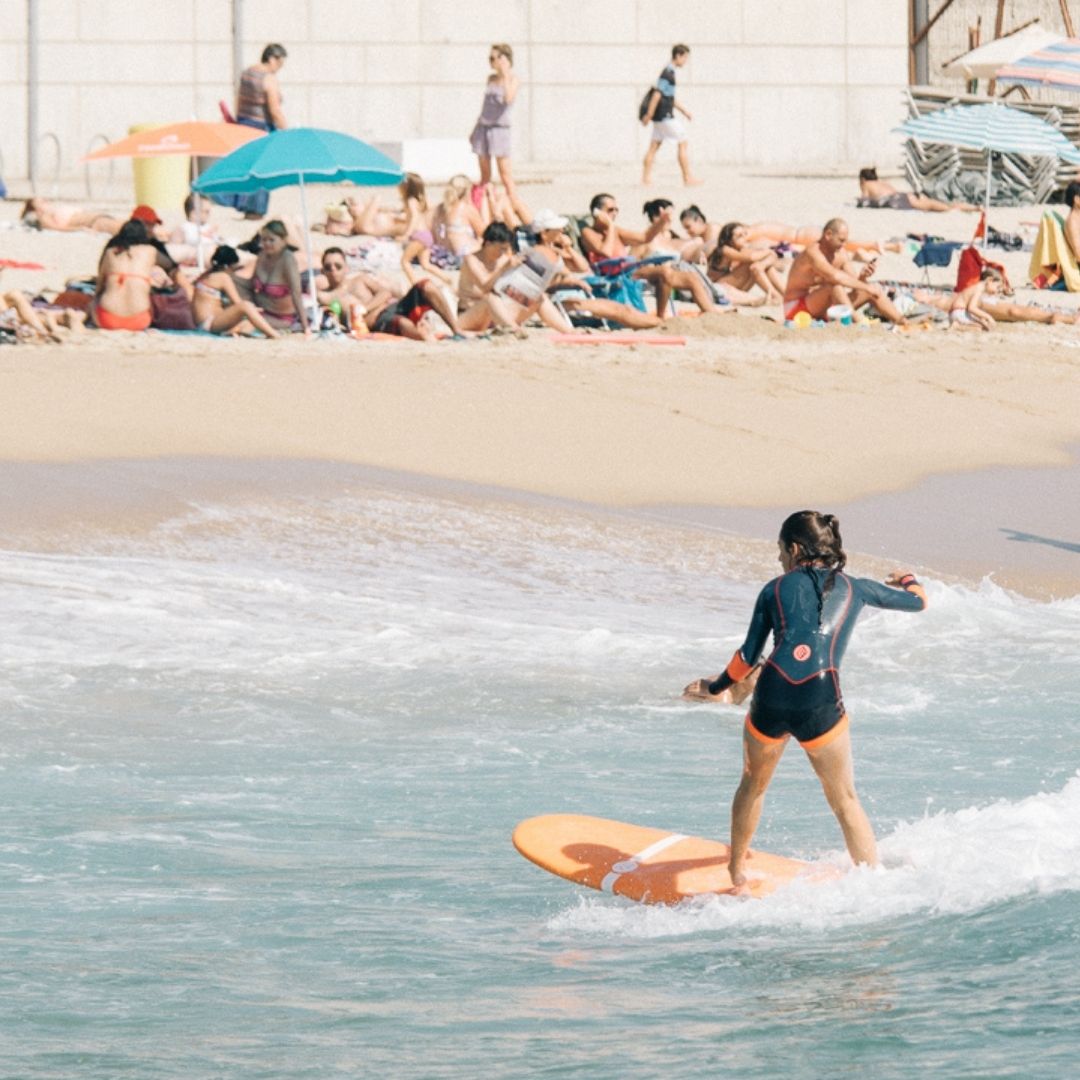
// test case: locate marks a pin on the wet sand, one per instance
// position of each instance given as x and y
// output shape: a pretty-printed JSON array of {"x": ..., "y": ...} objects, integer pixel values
[{"x": 1017, "y": 527}]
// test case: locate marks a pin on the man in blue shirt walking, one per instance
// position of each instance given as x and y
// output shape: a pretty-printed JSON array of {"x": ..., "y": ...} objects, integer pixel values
[{"x": 660, "y": 111}]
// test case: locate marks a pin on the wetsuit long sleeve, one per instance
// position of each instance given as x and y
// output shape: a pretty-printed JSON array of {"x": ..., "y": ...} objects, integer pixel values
[{"x": 747, "y": 655}]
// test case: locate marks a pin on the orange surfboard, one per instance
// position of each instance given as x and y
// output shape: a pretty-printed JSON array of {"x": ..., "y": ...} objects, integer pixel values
[{"x": 652, "y": 866}]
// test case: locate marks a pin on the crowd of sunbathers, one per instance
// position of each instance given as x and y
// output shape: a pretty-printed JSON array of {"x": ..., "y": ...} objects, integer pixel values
[{"x": 479, "y": 261}]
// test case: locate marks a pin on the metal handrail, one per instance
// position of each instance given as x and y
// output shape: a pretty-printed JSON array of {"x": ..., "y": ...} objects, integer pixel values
[
  {"x": 52, "y": 137},
  {"x": 94, "y": 140}
]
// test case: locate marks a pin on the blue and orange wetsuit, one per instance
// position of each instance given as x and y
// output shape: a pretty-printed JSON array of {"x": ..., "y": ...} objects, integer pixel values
[{"x": 798, "y": 692}]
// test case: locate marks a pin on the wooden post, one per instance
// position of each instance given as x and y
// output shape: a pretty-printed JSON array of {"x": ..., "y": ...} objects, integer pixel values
[
  {"x": 1067, "y": 18},
  {"x": 999, "y": 25}
]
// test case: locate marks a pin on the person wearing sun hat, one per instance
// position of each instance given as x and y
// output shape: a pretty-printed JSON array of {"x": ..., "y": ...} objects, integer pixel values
[{"x": 149, "y": 217}]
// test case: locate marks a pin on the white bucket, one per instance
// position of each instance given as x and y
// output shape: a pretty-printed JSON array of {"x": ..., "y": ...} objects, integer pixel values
[{"x": 840, "y": 313}]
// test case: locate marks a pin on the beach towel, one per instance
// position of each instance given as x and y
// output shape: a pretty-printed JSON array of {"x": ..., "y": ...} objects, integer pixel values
[
  {"x": 1053, "y": 259},
  {"x": 971, "y": 266},
  {"x": 936, "y": 254}
]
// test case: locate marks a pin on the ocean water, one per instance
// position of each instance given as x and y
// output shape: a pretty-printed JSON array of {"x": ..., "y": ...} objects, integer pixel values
[{"x": 261, "y": 763}]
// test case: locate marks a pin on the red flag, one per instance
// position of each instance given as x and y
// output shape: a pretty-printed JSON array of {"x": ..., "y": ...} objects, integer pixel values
[{"x": 980, "y": 229}]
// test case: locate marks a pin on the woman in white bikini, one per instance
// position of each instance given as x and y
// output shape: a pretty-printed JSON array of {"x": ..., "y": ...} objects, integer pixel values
[{"x": 217, "y": 304}]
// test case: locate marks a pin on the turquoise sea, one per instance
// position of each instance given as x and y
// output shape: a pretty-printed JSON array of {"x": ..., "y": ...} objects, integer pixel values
[{"x": 261, "y": 763}]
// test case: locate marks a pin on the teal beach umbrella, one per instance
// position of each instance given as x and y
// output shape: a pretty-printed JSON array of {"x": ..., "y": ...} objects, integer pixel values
[{"x": 295, "y": 157}]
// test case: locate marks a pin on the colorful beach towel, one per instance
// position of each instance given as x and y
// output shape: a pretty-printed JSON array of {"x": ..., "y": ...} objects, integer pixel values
[{"x": 1053, "y": 259}]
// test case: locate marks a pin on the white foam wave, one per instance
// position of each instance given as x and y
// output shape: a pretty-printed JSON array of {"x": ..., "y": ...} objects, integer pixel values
[{"x": 949, "y": 863}]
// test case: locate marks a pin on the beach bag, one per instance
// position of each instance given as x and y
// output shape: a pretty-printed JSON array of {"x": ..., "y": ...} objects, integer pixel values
[
  {"x": 643, "y": 108},
  {"x": 170, "y": 309}
]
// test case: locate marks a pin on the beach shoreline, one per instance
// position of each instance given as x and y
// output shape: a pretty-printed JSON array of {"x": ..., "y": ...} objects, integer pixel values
[
  {"x": 936, "y": 527},
  {"x": 740, "y": 423}
]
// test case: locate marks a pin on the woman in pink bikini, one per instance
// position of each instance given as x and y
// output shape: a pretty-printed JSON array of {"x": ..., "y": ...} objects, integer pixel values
[{"x": 274, "y": 286}]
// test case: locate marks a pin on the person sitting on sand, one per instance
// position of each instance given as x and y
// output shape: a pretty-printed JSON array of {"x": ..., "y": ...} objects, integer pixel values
[
  {"x": 216, "y": 303},
  {"x": 740, "y": 265},
  {"x": 405, "y": 317},
  {"x": 456, "y": 224},
  {"x": 274, "y": 286},
  {"x": 703, "y": 234},
  {"x": 482, "y": 303},
  {"x": 1072, "y": 221},
  {"x": 681, "y": 275},
  {"x": 573, "y": 292},
  {"x": 195, "y": 231},
  {"x": 821, "y": 277},
  {"x": 39, "y": 213},
  {"x": 352, "y": 297},
  {"x": 878, "y": 194},
  {"x": 604, "y": 239},
  {"x": 125, "y": 276}
]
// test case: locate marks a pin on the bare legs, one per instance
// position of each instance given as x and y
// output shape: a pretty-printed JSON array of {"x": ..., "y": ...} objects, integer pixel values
[
  {"x": 924, "y": 202},
  {"x": 833, "y": 765},
  {"x": 683, "y": 155},
  {"x": 834, "y": 769},
  {"x": 647, "y": 164},
  {"x": 688, "y": 178}
]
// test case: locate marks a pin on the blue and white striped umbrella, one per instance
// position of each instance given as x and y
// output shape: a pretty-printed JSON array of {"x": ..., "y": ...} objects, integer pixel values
[
  {"x": 993, "y": 128},
  {"x": 1053, "y": 67}
]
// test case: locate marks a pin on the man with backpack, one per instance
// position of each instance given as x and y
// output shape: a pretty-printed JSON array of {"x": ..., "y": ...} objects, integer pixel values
[{"x": 659, "y": 108}]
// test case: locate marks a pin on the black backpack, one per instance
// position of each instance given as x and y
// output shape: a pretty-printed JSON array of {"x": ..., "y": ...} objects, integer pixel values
[{"x": 643, "y": 108}]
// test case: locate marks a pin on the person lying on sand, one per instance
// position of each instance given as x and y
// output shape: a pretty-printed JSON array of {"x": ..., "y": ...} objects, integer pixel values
[
  {"x": 998, "y": 309},
  {"x": 18, "y": 314},
  {"x": 41, "y": 213},
  {"x": 372, "y": 219},
  {"x": 801, "y": 236},
  {"x": 965, "y": 311},
  {"x": 881, "y": 195},
  {"x": 822, "y": 276}
]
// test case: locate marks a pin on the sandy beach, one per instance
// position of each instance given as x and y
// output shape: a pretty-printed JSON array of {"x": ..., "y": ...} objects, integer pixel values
[{"x": 746, "y": 414}]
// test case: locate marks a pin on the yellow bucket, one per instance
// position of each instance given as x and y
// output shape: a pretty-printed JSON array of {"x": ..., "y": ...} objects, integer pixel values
[{"x": 162, "y": 182}]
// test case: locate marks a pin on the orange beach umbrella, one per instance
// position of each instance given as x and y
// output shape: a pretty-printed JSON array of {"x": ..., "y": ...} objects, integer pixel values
[{"x": 195, "y": 138}]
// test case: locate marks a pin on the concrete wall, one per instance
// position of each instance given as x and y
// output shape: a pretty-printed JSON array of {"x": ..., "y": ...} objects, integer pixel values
[{"x": 770, "y": 82}]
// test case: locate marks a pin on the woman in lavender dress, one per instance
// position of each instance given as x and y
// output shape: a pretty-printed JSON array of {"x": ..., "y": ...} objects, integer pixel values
[{"x": 491, "y": 136}]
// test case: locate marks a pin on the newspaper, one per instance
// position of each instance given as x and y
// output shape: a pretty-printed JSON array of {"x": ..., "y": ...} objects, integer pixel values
[{"x": 527, "y": 282}]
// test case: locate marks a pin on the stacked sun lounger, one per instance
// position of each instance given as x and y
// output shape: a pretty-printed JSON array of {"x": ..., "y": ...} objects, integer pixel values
[{"x": 955, "y": 174}]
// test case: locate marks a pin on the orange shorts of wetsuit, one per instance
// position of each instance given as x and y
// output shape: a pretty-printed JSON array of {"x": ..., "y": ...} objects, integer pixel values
[{"x": 810, "y": 730}]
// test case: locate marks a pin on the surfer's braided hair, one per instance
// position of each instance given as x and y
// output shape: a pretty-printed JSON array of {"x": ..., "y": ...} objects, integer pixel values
[{"x": 818, "y": 537}]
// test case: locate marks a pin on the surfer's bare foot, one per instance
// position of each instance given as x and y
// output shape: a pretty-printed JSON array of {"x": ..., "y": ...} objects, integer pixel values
[{"x": 739, "y": 886}]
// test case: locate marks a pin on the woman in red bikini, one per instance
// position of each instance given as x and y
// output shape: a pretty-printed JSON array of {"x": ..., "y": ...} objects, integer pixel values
[
  {"x": 274, "y": 286},
  {"x": 122, "y": 297}
]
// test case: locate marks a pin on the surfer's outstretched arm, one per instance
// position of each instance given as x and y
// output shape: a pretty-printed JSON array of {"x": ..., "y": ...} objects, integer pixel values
[{"x": 742, "y": 663}]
